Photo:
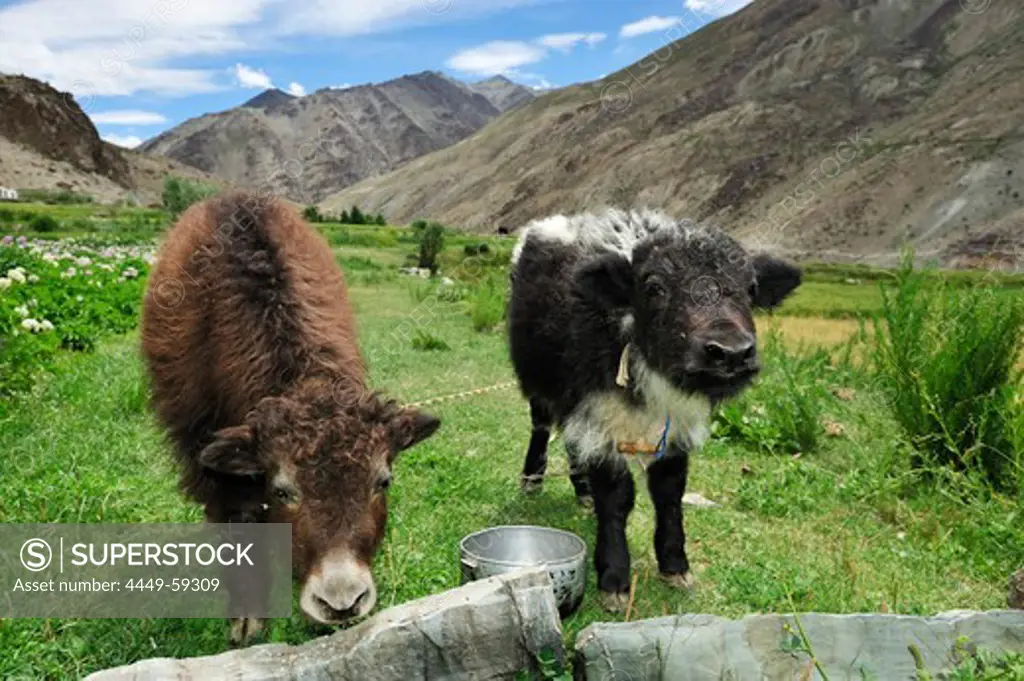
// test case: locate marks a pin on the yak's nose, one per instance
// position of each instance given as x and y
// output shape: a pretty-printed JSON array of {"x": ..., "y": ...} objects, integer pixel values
[
  {"x": 730, "y": 355},
  {"x": 345, "y": 608},
  {"x": 340, "y": 588}
]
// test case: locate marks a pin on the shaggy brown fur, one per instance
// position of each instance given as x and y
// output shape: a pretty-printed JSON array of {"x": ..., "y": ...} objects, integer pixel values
[{"x": 251, "y": 347}]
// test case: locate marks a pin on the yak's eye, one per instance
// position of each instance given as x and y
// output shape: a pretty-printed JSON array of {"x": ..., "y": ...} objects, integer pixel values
[
  {"x": 752, "y": 291},
  {"x": 383, "y": 483}
]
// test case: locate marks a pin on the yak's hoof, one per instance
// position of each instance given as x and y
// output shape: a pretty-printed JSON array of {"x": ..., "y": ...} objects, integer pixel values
[
  {"x": 683, "y": 580},
  {"x": 245, "y": 629},
  {"x": 614, "y": 601},
  {"x": 531, "y": 484},
  {"x": 585, "y": 500}
]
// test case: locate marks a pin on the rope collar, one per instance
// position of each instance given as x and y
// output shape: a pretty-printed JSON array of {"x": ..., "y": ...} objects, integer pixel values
[{"x": 640, "y": 447}]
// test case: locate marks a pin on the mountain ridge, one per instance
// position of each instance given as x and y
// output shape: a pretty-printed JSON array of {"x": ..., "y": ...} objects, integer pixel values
[{"x": 308, "y": 147}]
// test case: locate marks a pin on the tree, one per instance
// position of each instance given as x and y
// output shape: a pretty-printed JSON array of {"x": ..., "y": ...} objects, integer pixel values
[
  {"x": 356, "y": 216},
  {"x": 431, "y": 244},
  {"x": 345, "y": 219},
  {"x": 311, "y": 214},
  {"x": 179, "y": 194},
  {"x": 381, "y": 220}
]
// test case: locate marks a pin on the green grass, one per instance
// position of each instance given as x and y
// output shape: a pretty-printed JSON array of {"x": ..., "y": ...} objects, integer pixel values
[{"x": 846, "y": 527}]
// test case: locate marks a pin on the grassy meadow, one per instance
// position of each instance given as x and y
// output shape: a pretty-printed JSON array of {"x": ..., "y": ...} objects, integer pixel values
[{"x": 822, "y": 506}]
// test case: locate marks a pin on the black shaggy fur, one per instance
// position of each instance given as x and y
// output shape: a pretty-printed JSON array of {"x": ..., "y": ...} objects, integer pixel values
[{"x": 681, "y": 297}]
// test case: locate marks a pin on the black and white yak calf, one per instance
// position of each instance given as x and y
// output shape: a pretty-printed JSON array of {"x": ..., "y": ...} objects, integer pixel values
[{"x": 625, "y": 330}]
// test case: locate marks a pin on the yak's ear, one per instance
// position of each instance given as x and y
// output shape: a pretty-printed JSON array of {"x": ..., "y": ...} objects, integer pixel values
[
  {"x": 411, "y": 427},
  {"x": 232, "y": 452},
  {"x": 608, "y": 280},
  {"x": 775, "y": 279}
]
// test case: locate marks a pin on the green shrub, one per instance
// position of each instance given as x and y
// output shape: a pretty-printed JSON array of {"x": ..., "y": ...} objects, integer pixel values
[
  {"x": 180, "y": 193},
  {"x": 381, "y": 221},
  {"x": 783, "y": 412},
  {"x": 487, "y": 304},
  {"x": 356, "y": 217},
  {"x": 43, "y": 223},
  {"x": 431, "y": 245},
  {"x": 946, "y": 358}
]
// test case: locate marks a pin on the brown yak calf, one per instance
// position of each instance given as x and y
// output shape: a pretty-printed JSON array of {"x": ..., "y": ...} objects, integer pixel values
[{"x": 251, "y": 349}]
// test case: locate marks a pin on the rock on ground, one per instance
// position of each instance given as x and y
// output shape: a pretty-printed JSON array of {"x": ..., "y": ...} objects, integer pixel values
[
  {"x": 487, "y": 630},
  {"x": 759, "y": 647}
]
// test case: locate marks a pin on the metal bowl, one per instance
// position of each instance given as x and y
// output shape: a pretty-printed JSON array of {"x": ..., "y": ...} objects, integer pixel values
[{"x": 498, "y": 550}]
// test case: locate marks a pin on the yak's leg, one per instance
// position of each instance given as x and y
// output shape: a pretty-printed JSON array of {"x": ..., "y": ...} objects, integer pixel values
[
  {"x": 614, "y": 495},
  {"x": 666, "y": 480},
  {"x": 578, "y": 475},
  {"x": 537, "y": 455},
  {"x": 241, "y": 501}
]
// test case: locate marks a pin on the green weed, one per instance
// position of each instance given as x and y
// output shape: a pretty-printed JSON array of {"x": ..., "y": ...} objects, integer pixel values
[{"x": 947, "y": 359}]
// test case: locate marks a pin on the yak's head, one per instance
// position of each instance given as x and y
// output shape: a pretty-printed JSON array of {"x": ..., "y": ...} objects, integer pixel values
[
  {"x": 324, "y": 468},
  {"x": 687, "y": 297}
]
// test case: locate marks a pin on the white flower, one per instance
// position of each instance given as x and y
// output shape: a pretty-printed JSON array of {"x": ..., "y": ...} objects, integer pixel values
[
  {"x": 33, "y": 279},
  {"x": 130, "y": 273},
  {"x": 22, "y": 310},
  {"x": 46, "y": 325},
  {"x": 17, "y": 274},
  {"x": 79, "y": 299},
  {"x": 83, "y": 261},
  {"x": 30, "y": 325},
  {"x": 5, "y": 283}
]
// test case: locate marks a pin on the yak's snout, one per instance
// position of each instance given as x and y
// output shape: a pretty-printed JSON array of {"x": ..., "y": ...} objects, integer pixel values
[
  {"x": 726, "y": 354},
  {"x": 340, "y": 588},
  {"x": 719, "y": 362}
]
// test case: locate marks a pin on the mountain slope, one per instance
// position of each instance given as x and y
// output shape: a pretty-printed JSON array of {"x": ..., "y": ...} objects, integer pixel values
[
  {"x": 47, "y": 142},
  {"x": 305, "y": 148},
  {"x": 814, "y": 125}
]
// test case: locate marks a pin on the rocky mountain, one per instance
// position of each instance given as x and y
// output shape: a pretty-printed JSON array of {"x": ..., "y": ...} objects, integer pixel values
[
  {"x": 48, "y": 142},
  {"x": 308, "y": 147},
  {"x": 504, "y": 93},
  {"x": 829, "y": 128},
  {"x": 268, "y": 99}
]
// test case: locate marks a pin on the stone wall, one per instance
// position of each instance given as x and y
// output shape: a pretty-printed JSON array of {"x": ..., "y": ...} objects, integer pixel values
[
  {"x": 487, "y": 630},
  {"x": 759, "y": 647}
]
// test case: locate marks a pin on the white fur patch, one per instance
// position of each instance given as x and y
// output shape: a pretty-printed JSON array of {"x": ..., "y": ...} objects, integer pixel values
[
  {"x": 613, "y": 230},
  {"x": 339, "y": 581},
  {"x": 608, "y": 417}
]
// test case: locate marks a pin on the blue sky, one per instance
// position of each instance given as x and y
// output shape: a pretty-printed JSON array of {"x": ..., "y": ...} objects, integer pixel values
[{"x": 141, "y": 66}]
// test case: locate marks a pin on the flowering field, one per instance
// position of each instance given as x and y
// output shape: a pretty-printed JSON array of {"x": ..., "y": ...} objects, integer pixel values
[{"x": 63, "y": 294}]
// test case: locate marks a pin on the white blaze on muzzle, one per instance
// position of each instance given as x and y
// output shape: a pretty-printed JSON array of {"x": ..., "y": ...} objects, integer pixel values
[{"x": 339, "y": 588}]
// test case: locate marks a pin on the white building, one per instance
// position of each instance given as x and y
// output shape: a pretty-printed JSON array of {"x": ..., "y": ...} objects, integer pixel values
[{"x": 8, "y": 194}]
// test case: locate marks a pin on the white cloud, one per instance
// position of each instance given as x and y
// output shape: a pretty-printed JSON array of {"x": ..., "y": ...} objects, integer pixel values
[
  {"x": 254, "y": 79},
  {"x": 122, "y": 47},
  {"x": 716, "y": 8},
  {"x": 128, "y": 117},
  {"x": 343, "y": 86},
  {"x": 126, "y": 141},
  {"x": 500, "y": 56},
  {"x": 567, "y": 41},
  {"x": 296, "y": 89},
  {"x": 119, "y": 47},
  {"x": 650, "y": 25}
]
